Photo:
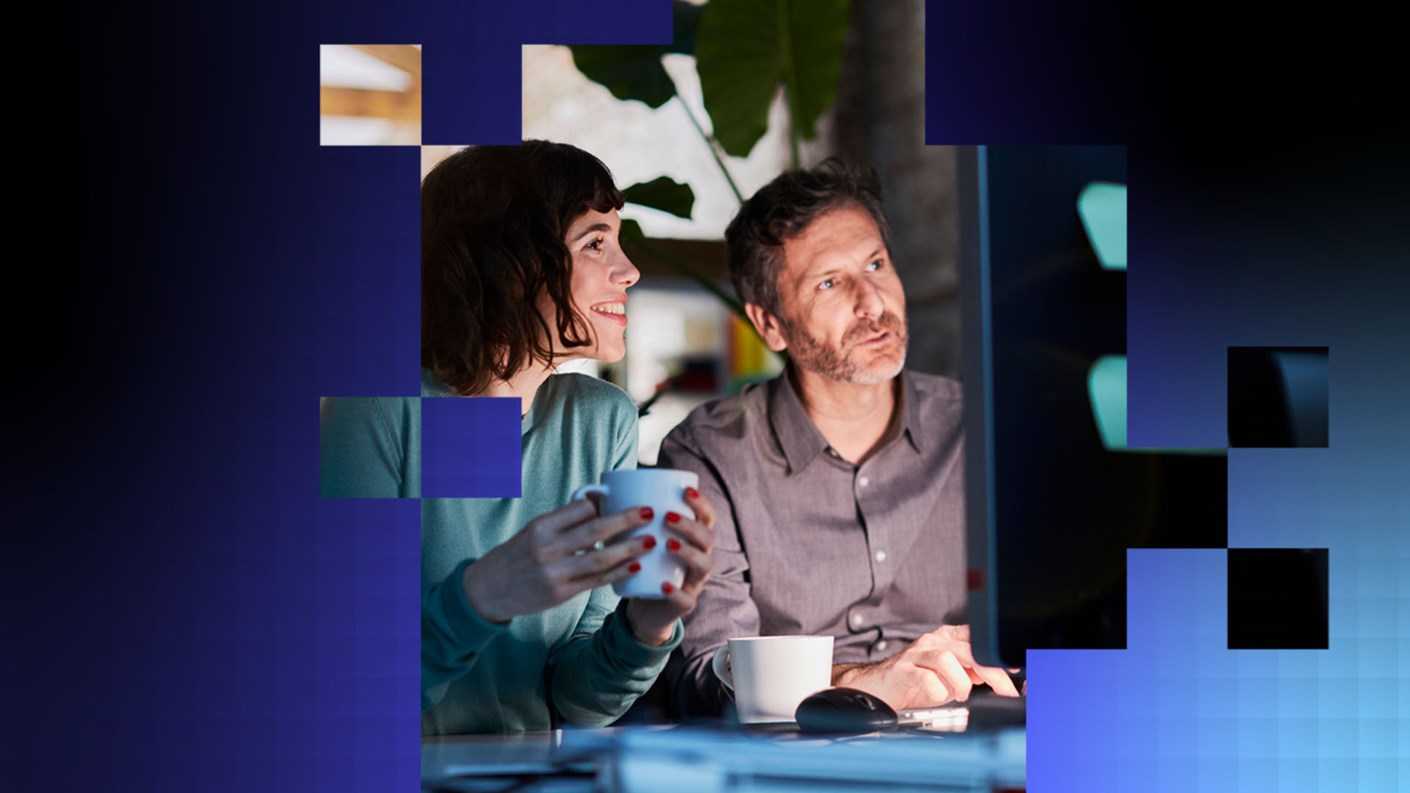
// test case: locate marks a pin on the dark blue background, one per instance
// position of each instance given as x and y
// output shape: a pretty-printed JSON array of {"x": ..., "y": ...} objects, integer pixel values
[{"x": 183, "y": 612}]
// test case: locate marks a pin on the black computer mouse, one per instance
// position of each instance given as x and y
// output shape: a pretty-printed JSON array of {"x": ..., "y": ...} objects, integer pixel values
[{"x": 836, "y": 710}]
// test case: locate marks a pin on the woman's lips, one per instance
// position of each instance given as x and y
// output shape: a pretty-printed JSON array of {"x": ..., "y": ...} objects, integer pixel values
[{"x": 615, "y": 311}]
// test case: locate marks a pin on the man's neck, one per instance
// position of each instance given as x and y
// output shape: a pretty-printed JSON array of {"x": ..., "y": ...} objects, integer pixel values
[{"x": 853, "y": 418}]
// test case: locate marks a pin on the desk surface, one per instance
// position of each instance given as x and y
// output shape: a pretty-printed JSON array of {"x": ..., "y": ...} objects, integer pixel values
[{"x": 684, "y": 758}]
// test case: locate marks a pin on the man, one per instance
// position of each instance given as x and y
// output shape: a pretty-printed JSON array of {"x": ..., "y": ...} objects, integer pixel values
[{"x": 841, "y": 480}]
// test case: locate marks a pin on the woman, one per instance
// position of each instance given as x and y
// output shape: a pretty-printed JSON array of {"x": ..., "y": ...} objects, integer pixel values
[{"x": 520, "y": 629}]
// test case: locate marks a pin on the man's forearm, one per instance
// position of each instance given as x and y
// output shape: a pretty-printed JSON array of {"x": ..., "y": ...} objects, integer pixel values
[{"x": 841, "y": 673}]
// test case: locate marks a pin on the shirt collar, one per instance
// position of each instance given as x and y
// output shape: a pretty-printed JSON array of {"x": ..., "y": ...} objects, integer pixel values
[
  {"x": 799, "y": 437},
  {"x": 910, "y": 411}
]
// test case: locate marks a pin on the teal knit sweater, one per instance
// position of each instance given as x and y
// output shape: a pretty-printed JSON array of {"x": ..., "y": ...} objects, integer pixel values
[{"x": 577, "y": 662}]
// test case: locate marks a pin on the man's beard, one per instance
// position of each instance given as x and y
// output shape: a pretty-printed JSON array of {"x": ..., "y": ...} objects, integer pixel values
[{"x": 839, "y": 363}]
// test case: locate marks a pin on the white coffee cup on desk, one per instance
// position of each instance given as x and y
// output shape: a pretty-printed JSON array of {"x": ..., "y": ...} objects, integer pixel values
[
  {"x": 770, "y": 675},
  {"x": 662, "y": 489}
]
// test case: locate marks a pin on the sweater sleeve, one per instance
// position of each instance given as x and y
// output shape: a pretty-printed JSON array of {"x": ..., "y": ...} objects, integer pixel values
[
  {"x": 603, "y": 668},
  {"x": 452, "y": 635},
  {"x": 369, "y": 447}
]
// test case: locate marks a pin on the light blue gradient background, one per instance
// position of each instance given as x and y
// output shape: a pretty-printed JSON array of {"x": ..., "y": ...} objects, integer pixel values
[{"x": 1176, "y": 710}]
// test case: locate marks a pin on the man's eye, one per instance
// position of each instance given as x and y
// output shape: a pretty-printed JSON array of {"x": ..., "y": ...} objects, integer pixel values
[
  {"x": 827, "y": 284},
  {"x": 874, "y": 266}
]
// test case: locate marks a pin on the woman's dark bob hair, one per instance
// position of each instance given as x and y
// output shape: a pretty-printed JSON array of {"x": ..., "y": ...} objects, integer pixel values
[{"x": 493, "y": 220}]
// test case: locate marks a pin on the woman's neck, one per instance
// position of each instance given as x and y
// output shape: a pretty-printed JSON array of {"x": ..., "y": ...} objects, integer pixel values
[{"x": 523, "y": 385}]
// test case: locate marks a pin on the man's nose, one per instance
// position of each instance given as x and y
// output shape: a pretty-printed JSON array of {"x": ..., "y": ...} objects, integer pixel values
[{"x": 869, "y": 300}]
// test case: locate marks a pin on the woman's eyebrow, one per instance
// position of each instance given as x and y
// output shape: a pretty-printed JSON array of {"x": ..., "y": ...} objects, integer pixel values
[{"x": 596, "y": 227}]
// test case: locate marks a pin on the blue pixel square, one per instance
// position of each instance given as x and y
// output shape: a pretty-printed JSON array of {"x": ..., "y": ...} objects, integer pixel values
[{"x": 470, "y": 448}]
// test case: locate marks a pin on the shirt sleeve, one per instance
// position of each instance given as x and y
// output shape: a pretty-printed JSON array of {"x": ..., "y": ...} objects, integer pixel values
[
  {"x": 452, "y": 635},
  {"x": 369, "y": 447},
  {"x": 725, "y": 608}
]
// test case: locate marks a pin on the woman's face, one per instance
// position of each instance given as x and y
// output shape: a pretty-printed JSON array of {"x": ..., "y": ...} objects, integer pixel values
[{"x": 601, "y": 275}]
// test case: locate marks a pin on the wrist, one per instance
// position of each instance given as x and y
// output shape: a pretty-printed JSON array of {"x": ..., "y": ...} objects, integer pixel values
[
  {"x": 480, "y": 602},
  {"x": 643, "y": 628},
  {"x": 844, "y": 674}
]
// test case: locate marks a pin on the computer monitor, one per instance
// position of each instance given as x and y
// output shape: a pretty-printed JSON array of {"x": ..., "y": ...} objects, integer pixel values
[{"x": 1054, "y": 498}]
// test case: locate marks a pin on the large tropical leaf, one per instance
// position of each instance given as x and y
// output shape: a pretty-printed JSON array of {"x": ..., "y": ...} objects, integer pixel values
[
  {"x": 632, "y": 236},
  {"x": 635, "y": 71},
  {"x": 746, "y": 49},
  {"x": 663, "y": 193}
]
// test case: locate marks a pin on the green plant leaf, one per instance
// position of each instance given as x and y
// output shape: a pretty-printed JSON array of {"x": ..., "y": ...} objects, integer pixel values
[
  {"x": 629, "y": 72},
  {"x": 663, "y": 193},
  {"x": 634, "y": 72},
  {"x": 746, "y": 49},
  {"x": 631, "y": 231},
  {"x": 632, "y": 236},
  {"x": 683, "y": 27}
]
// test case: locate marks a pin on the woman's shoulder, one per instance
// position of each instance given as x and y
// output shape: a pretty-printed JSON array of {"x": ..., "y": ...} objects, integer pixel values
[{"x": 585, "y": 392}]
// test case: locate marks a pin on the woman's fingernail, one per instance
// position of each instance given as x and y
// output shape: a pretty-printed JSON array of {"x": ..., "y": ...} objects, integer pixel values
[
  {"x": 691, "y": 492},
  {"x": 674, "y": 545},
  {"x": 647, "y": 513},
  {"x": 634, "y": 567},
  {"x": 672, "y": 517},
  {"x": 667, "y": 588},
  {"x": 648, "y": 542}
]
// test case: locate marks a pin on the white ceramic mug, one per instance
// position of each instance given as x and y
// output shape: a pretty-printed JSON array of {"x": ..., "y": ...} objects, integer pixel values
[
  {"x": 770, "y": 675},
  {"x": 662, "y": 489}
]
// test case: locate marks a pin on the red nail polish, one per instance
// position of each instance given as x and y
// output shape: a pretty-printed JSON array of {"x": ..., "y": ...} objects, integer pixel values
[
  {"x": 648, "y": 542},
  {"x": 691, "y": 492},
  {"x": 647, "y": 513},
  {"x": 634, "y": 567},
  {"x": 674, "y": 545},
  {"x": 667, "y": 588},
  {"x": 672, "y": 517}
]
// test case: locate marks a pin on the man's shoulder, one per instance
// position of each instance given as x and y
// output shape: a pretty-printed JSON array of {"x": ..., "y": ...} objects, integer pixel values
[{"x": 728, "y": 419}]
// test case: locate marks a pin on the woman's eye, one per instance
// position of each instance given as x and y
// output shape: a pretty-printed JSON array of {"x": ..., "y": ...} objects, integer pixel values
[
  {"x": 828, "y": 284},
  {"x": 874, "y": 266},
  {"x": 596, "y": 245}
]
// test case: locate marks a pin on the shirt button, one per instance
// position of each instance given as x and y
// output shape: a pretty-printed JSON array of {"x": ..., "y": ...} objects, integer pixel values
[
  {"x": 881, "y": 645},
  {"x": 863, "y": 481},
  {"x": 881, "y": 556},
  {"x": 856, "y": 619}
]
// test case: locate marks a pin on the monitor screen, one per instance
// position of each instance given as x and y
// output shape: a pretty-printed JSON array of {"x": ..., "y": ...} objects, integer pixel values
[{"x": 1054, "y": 494}]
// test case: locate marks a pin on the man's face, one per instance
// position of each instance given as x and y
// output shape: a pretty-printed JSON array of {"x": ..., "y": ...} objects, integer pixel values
[{"x": 842, "y": 312}]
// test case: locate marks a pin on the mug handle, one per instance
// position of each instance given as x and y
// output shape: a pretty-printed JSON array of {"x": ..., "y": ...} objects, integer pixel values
[
  {"x": 582, "y": 492},
  {"x": 720, "y": 664}
]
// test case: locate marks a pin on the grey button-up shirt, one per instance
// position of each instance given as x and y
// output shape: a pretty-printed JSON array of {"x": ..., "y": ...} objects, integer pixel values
[{"x": 807, "y": 542}]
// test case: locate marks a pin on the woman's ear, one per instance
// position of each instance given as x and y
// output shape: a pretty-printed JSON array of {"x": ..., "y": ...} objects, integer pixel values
[{"x": 768, "y": 325}]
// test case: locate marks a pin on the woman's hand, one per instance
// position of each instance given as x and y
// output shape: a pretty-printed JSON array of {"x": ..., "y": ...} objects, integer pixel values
[
  {"x": 653, "y": 621},
  {"x": 554, "y": 557}
]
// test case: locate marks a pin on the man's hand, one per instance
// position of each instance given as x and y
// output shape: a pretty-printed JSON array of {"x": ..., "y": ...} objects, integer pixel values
[{"x": 935, "y": 669}]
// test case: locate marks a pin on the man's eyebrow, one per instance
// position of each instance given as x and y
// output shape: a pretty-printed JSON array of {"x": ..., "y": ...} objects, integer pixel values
[
  {"x": 590, "y": 230},
  {"x": 833, "y": 269}
]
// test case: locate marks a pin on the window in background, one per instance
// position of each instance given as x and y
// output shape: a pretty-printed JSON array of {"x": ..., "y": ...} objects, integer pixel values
[{"x": 369, "y": 94}]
